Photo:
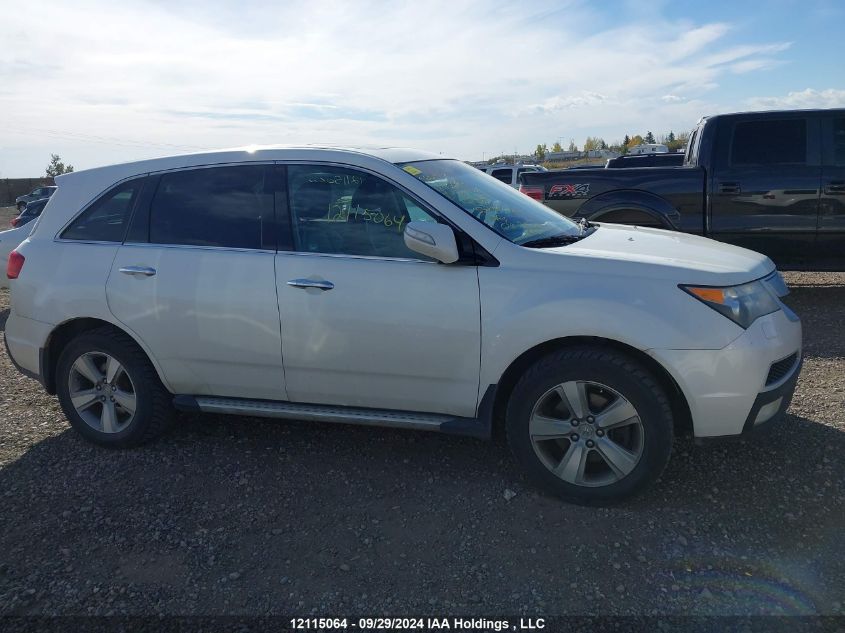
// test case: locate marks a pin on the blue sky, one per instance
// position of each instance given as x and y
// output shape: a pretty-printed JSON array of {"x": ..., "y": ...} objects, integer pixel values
[{"x": 102, "y": 82}]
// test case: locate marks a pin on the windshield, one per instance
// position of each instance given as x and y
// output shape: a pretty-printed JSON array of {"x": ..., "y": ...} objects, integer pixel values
[{"x": 511, "y": 214}]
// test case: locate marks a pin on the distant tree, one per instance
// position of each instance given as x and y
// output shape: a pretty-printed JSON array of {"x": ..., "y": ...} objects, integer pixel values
[
  {"x": 626, "y": 141},
  {"x": 636, "y": 140},
  {"x": 649, "y": 137},
  {"x": 540, "y": 152},
  {"x": 556, "y": 147},
  {"x": 572, "y": 146},
  {"x": 670, "y": 138},
  {"x": 594, "y": 142},
  {"x": 57, "y": 167}
]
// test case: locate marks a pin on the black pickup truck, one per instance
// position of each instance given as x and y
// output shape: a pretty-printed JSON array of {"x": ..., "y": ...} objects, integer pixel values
[{"x": 773, "y": 182}]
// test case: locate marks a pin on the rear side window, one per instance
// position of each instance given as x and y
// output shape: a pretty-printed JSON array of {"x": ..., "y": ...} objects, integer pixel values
[
  {"x": 502, "y": 174},
  {"x": 107, "y": 218},
  {"x": 781, "y": 142},
  {"x": 229, "y": 207},
  {"x": 839, "y": 142}
]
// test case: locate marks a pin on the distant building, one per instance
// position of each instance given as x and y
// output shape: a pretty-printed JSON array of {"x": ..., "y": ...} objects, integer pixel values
[
  {"x": 553, "y": 156},
  {"x": 649, "y": 148},
  {"x": 602, "y": 153}
]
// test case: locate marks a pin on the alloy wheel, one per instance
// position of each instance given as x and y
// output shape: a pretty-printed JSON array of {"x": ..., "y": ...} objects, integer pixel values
[
  {"x": 586, "y": 433},
  {"x": 102, "y": 392}
]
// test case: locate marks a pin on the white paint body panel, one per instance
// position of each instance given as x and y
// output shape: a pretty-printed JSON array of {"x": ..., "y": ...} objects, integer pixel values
[
  {"x": 391, "y": 334},
  {"x": 395, "y": 334},
  {"x": 209, "y": 314}
]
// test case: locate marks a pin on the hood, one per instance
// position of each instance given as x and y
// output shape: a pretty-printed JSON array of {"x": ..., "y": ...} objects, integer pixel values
[{"x": 687, "y": 258}]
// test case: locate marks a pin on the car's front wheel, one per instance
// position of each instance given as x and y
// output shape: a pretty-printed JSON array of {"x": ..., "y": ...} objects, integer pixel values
[
  {"x": 109, "y": 390},
  {"x": 590, "y": 425}
]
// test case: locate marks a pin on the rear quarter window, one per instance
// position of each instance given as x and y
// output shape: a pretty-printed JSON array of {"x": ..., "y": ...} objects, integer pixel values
[{"x": 106, "y": 219}]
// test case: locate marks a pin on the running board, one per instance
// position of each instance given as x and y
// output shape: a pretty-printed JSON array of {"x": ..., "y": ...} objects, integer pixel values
[{"x": 328, "y": 413}]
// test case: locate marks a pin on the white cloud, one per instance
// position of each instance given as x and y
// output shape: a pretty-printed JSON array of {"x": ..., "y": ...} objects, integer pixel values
[
  {"x": 102, "y": 81},
  {"x": 808, "y": 98}
]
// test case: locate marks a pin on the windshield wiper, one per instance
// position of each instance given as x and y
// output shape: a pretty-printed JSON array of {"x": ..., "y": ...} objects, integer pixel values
[{"x": 554, "y": 240}]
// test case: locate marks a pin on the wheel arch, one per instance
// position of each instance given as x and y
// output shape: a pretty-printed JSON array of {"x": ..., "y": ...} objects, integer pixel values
[
  {"x": 503, "y": 389},
  {"x": 643, "y": 202},
  {"x": 68, "y": 330}
]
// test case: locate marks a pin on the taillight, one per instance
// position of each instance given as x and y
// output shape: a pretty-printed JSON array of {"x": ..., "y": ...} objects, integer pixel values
[
  {"x": 13, "y": 267},
  {"x": 532, "y": 191},
  {"x": 15, "y": 221}
]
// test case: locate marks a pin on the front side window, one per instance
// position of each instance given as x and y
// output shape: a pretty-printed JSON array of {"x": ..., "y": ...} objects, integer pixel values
[
  {"x": 770, "y": 142},
  {"x": 106, "y": 219},
  {"x": 511, "y": 214},
  {"x": 344, "y": 211},
  {"x": 230, "y": 207}
]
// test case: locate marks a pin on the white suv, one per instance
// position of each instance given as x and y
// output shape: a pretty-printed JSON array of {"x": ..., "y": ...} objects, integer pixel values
[
  {"x": 393, "y": 288},
  {"x": 509, "y": 174}
]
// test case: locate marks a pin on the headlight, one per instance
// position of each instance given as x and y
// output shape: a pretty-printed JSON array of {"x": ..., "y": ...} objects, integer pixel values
[{"x": 741, "y": 304}]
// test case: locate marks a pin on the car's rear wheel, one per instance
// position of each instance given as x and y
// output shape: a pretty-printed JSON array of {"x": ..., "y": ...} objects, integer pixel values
[
  {"x": 21, "y": 206},
  {"x": 109, "y": 390},
  {"x": 590, "y": 425}
]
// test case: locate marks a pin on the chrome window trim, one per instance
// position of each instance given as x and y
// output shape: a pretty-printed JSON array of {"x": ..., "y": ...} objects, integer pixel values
[
  {"x": 213, "y": 165},
  {"x": 59, "y": 240},
  {"x": 200, "y": 247},
  {"x": 407, "y": 260}
]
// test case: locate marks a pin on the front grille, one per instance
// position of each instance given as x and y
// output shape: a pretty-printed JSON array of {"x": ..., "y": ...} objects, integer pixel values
[{"x": 780, "y": 369}]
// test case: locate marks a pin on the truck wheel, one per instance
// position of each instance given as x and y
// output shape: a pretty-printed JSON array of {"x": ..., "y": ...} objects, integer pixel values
[
  {"x": 109, "y": 390},
  {"x": 590, "y": 425}
]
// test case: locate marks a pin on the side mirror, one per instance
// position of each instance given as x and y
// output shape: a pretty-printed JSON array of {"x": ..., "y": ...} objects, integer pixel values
[{"x": 432, "y": 239}]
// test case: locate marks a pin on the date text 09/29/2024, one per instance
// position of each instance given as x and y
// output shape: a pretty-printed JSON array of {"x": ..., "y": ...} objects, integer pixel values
[{"x": 419, "y": 624}]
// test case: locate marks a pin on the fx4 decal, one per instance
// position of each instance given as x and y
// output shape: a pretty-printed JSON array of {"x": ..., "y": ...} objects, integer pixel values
[{"x": 569, "y": 191}]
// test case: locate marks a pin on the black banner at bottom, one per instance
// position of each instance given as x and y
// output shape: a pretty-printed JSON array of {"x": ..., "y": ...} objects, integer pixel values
[{"x": 463, "y": 624}]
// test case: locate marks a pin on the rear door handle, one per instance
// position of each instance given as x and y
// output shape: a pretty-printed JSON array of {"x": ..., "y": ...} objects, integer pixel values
[
  {"x": 310, "y": 283},
  {"x": 730, "y": 187},
  {"x": 835, "y": 188},
  {"x": 145, "y": 271}
]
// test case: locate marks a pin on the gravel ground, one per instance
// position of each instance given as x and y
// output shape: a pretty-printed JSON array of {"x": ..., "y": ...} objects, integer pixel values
[{"x": 246, "y": 516}]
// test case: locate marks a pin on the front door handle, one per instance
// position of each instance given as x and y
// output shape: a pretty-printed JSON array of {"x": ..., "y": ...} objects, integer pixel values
[
  {"x": 146, "y": 271},
  {"x": 835, "y": 188},
  {"x": 730, "y": 187},
  {"x": 310, "y": 283}
]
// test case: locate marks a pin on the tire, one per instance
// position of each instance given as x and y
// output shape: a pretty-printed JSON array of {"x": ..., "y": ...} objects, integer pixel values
[
  {"x": 101, "y": 412},
  {"x": 21, "y": 206},
  {"x": 546, "y": 433}
]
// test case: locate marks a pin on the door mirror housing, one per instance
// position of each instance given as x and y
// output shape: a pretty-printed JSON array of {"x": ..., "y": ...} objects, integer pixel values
[{"x": 432, "y": 239}]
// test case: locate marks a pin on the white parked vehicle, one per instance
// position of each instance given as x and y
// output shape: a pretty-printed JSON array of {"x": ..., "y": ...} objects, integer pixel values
[
  {"x": 509, "y": 174},
  {"x": 394, "y": 288},
  {"x": 9, "y": 241}
]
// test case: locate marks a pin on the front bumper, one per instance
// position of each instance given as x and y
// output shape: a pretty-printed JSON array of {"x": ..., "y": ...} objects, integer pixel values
[{"x": 730, "y": 391}]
